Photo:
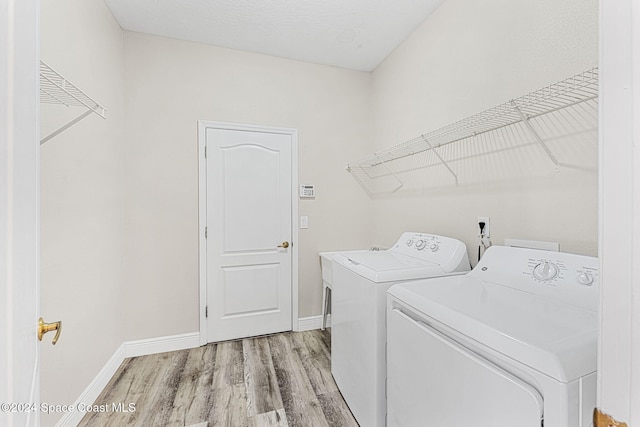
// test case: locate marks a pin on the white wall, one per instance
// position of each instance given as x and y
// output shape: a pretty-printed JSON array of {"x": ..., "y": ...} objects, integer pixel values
[
  {"x": 170, "y": 85},
  {"x": 82, "y": 200},
  {"x": 467, "y": 57}
]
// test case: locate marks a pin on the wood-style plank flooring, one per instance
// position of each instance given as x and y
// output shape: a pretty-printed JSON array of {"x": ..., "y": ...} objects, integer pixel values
[{"x": 276, "y": 380}]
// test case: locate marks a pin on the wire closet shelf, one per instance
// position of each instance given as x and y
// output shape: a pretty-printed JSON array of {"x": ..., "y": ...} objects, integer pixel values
[
  {"x": 55, "y": 89},
  {"x": 552, "y": 127}
]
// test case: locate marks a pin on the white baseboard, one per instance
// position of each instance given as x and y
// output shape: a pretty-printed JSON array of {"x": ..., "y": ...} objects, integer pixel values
[
  {"x": 161, "y": 344},
  {"x": 312, "y": 322},
  {"x": 126, "y": 349},
  {"x": 91, "y": 393}
]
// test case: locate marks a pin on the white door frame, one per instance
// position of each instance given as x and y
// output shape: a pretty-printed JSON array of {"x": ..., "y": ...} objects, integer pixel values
[
  {"x": 619, "y": 232},
  {"x": 203, "y": 125},
  {"x": 19, "y": 210}
]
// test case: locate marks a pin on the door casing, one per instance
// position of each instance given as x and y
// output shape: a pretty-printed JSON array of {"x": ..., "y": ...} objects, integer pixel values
[
  {"x": 19, "y": 212},
  {"x": 203, "y": 125}
]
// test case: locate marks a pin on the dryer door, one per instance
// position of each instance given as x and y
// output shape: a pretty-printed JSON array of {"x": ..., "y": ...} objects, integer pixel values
[{"x": 435, "y": 381}]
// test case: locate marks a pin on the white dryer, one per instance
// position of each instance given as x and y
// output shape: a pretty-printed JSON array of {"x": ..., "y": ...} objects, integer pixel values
[
  {"x": 360, "y": 282},
  {"x": 512, "y": 343}
]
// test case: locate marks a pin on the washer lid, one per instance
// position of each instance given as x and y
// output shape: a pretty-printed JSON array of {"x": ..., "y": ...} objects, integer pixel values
[
  {"x": 555, "y": 338},
  {"x": 388, "y": 266}
]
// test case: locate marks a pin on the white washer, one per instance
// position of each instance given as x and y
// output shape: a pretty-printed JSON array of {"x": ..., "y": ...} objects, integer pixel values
[
  {"x": 360, "y": 283},
  {"x": 512, "y": 343}
]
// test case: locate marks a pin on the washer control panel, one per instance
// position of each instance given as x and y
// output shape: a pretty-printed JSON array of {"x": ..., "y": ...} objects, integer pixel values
[
  {"x": 422, "y": 242},
  {"x": 449, "y": 253},
  {"x": 568, "y": 277}
]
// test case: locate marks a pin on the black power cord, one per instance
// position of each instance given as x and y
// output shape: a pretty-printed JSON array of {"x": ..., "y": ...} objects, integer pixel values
[{"x": 481, "y": 224}]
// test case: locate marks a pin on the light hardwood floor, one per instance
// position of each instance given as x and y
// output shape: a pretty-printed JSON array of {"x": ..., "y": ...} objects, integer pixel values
[{"x": 277, "y": 380}]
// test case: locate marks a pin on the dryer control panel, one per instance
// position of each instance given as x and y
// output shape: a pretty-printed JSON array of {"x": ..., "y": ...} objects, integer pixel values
[{"x": 568, "y": 277}]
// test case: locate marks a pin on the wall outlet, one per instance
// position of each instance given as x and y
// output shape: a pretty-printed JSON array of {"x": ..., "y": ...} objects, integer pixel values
[{"x": 486, "y": 232}]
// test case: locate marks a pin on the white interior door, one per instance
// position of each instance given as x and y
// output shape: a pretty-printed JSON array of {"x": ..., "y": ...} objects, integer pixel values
[
  {"x": 19, "y": 150},
  {"x": 249, "y": 233}
]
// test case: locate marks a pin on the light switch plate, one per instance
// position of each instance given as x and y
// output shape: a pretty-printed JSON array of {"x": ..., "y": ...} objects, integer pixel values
[{"x": 304, "y": 221}]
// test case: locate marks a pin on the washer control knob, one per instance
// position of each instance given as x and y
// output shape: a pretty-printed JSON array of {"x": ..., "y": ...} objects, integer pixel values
[
  {"x": 420, "y": 245},
  {"x": 434, "y": 247},
  {"x": 545, "y": 270},
  {"x": 585, "y": 278},
  {"x": 409, "y": 242}
]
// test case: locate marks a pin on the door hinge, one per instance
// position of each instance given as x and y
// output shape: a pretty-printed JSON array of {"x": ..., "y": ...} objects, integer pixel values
[
  {"x": 205, "y": 232},
  {"x": 205, "y": 151},
  {"x": 206, "y": 311}
]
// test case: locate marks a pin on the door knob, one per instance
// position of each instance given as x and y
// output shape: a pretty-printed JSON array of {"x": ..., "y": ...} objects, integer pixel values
[
  {"x": 43, "y": 328},
  {"x": 284, "y": 245}
]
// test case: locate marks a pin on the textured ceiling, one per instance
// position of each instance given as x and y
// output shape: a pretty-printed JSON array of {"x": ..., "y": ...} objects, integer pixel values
[{"x": 354, "y": 34}]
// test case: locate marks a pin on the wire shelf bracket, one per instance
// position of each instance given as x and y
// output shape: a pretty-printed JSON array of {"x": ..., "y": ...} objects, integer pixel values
[
  {"x": 55, "y": 89},
  {"x": 537, "y": 137},
  {"x": 443, "y": 161},
  {"x": 388, "y": 169}
]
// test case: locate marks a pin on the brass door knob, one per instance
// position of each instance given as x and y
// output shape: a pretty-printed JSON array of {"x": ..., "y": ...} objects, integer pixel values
[
  {"x": 43, "y": 328},
  {"x": 284, "y": 245}
]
